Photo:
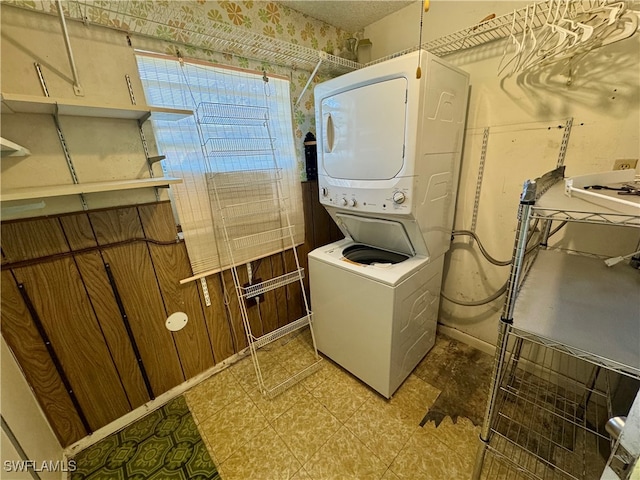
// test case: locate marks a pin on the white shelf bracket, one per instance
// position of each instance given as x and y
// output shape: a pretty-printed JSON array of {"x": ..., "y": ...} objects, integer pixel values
[
  {"x": 313, "y": 74},
  {"x": 565, "y": 142},
  {"x": 483, "y": 159},
  {"x": 205, "y": 291},
  {"x": 77, "y": 88},
  {"x": 153, "y": 160}
]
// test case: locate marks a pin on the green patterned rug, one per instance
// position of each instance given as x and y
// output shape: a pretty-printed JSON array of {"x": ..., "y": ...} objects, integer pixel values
[{"x": 164, "y": 445}]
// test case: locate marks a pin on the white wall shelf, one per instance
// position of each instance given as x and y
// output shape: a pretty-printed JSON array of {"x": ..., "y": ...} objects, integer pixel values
[
  {"x": 11, "y": 149},
  {"x": 17, "y": 103},
  {"x": 29, "y": 193}
]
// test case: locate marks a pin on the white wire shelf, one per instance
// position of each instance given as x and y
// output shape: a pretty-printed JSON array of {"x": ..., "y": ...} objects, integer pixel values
[
  {"x": 489, "y": 31},
  {"x": 269, "y": 208},
  {"x": 132, "y": 17},
  {"x": 276, "y": 235},
  {"x": 258, "y": 289},
  {"x": 125, "y": 15},
  {"x": 244, "y": 178},
  {"x": 232, "y": 114},
  {"x": 554, "y": 204},
  {"x": 282, "y": 331},
  {"x": 296, "y": 378},
  {"x": 235, "y": 147}
]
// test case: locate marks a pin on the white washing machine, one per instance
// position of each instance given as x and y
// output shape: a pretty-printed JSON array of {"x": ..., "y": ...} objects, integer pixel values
[
  {"x": 389, "y": 149},
  {"x": 375, "y": 311}
]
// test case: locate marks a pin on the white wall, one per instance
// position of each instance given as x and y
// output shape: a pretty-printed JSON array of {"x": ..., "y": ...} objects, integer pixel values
[
  {"x": 27, "y": 422},
  {"x": 525, "y": 115}
]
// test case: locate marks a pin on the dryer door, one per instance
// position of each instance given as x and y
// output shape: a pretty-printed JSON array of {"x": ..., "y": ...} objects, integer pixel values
[{"x": 363, "y": 131}]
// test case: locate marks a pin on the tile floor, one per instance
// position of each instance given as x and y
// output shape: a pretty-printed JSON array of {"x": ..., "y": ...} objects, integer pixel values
[{"x": 329, "y": 426}]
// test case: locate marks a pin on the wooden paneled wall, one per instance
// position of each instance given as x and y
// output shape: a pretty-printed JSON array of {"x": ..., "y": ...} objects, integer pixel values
[{"x": 85, "y": 297}]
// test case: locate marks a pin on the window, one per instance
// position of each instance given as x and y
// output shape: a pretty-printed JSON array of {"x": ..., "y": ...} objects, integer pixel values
[{"x": 229, "y": 154}]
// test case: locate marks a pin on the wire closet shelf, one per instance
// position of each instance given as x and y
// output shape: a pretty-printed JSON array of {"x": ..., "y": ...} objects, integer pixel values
[
  {"x": 170, "y": 23},
  {"x": 512, "y": 24},
  {"x": 166, "y": 24}
]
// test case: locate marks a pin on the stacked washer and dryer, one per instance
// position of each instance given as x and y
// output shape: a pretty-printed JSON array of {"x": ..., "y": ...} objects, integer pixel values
[{"x": 389, "y": 151}]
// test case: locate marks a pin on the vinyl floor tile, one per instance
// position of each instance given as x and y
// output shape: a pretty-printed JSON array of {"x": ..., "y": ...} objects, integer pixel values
[
  {"x": 345, "y": 457},
  {"x": 377, "y": 425},
  {"x": 263, "y": 457},
  {"x": 305, "y": 427},
  {"x": 412, "y": 399},
  {"x": 329, "y": 426},
  {"x": 462, "y": 437},
  {"x": 233, "y": 426},
  {"x": 389, "y": 475},
  {"x": 341, "y": 393},
  {"x": 272, "y": 408},
  {"x": 427, "y": 458},
  {"x": 213, "y": 394}
]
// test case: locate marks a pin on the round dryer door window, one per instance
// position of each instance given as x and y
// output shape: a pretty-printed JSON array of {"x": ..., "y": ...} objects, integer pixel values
[{"x": 370, "y": 255}]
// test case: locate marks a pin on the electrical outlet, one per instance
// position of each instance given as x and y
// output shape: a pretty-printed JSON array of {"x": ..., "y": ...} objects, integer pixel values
[{"x": 625, "y": 164}]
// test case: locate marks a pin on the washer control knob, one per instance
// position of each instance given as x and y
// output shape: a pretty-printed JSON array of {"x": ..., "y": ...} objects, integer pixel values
[
  {"x": 352, "y": 202},
  {"x": 398, "y": 198},
  {"x": 323, "y": 191},
  {"x": 343, "y": 202}
]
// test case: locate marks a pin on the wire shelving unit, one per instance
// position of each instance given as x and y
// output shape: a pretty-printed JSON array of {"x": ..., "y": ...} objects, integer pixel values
[{"x": 569, "y": 332}]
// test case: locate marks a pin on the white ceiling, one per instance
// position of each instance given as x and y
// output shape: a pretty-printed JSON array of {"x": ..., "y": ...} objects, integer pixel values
[{"x": 346, "y": 14}]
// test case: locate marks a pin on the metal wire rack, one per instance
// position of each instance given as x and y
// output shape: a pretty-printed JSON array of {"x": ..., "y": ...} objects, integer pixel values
[
  {"x": 252, "y": 217},
  {"x": 230, "y": 114},
  {"x": 557, "y": 361},
  {"x": 240, "y": 178},
  {"x": 168, "y": 22},
  {"x": 497, "y": 28},
  {"x": 261, "y": 288},
  {"x": 222, "y": 147},
  {"x": 262, "y": 238},
  {"x": 551, "y": 416},
  {"x": 258, "y": 208}
]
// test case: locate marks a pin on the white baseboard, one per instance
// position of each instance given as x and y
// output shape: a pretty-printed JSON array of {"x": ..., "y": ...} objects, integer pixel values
[
  {"x": 467, "y": 339},
  {"x": 148, "y": 407}
]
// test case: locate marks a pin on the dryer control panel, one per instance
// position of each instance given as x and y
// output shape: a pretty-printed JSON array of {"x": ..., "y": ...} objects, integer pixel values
[{"x": 394, "y": 200}]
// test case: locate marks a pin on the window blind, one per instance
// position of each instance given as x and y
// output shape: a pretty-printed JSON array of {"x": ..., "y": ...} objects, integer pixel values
[{"x": 236, "y": 156}]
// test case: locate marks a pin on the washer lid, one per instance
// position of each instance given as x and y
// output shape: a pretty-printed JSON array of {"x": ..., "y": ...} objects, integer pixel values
[{"x": 375, "y": 232}]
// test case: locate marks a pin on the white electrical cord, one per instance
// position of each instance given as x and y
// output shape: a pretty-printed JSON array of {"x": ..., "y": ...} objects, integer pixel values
[{"x": 610, "y": 262}]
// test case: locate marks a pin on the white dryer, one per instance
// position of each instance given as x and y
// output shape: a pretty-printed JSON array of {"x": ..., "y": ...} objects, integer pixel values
[{"x": 389, "y": 149}]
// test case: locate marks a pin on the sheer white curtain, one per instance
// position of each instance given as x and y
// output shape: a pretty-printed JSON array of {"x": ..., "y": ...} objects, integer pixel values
[{"x": 231, "y": 155}]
